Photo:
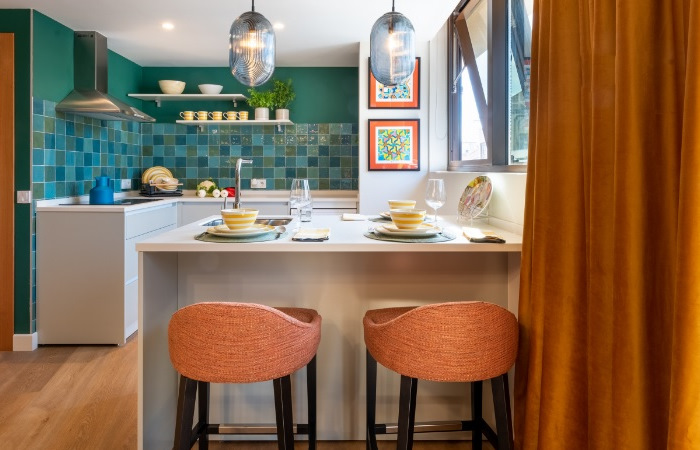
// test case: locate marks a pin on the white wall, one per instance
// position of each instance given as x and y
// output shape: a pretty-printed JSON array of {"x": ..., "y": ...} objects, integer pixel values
[{"x": 376, "y": 187}]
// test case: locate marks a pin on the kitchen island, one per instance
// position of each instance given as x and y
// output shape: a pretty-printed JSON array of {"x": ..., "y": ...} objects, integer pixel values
[{"x": 341, "y": 278}]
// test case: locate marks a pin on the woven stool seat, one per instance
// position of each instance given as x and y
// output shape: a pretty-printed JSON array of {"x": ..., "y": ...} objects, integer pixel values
[
  {"x": 218, "y": 342},
  {"x": 464, "y": 341},
  {"x": 448, "y": 342},
  {"x": 241, "y": 342}
]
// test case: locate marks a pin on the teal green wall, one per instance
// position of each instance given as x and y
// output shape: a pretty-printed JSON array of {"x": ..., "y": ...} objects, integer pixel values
[
  {"x": 323, "y": 94},
  {"x": 53, "y": 65},
  {"x": 124, "y": 77},
  {"x": 53, "y": 58},
  {"x": 18, "y": 21}
]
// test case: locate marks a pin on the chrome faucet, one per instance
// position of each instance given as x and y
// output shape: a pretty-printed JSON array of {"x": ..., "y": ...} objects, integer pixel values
[{"x": 237, "y": 199}]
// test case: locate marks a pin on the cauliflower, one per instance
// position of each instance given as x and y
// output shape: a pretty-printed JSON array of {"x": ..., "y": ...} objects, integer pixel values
[{"x": 207, "y": 185}]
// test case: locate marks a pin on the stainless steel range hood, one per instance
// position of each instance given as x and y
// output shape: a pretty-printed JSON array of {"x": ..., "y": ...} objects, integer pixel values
[{"x": 89, "y": 96}]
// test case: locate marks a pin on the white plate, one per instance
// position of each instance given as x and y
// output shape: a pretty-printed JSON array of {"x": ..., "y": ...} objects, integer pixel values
[
  {"x": 387, "y": 215},
  {"x": 255, "y": 230},
  {"x": 422, "y": 231}
]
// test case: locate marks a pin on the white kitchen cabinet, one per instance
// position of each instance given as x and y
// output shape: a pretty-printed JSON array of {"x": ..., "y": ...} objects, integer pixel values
[
  {"x": 191, "y": 211},
  {"x": 87, "y": 271}
]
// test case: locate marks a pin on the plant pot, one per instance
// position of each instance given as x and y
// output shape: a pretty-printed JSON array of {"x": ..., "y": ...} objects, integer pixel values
[
  {"x": 282, "y": 114},
  {"x": 262, "y": 113}
]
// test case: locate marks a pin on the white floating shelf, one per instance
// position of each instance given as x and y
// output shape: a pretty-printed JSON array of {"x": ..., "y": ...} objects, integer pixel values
[
  {"x": 203, "y": 123},
  {"x": 158, "y": 98}
]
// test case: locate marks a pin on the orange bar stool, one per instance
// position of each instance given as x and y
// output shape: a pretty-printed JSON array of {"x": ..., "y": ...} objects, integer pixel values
[
  {"x": 218, "y": 342},
  {"x": 452, "y": 342}
]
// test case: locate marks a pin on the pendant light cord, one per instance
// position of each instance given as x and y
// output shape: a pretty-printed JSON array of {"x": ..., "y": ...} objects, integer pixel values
[
  {"x": 253, "y": 5},
  {"x": 392, "y": 6}
]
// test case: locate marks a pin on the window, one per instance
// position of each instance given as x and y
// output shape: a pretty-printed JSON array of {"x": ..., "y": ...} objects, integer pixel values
[{"x": 489, "y": 86}]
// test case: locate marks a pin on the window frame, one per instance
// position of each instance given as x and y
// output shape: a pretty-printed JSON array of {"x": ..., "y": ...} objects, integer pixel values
[{"x": 496, "y": 135}]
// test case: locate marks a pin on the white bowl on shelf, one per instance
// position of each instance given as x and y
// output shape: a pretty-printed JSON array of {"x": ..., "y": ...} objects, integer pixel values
[
  {"x": 210, "y": 89},
  {"x": 171, "y": 86}
]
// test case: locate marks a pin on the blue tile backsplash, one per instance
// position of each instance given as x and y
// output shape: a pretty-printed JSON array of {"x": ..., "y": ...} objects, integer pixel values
[{"x": 69, "y": 151}]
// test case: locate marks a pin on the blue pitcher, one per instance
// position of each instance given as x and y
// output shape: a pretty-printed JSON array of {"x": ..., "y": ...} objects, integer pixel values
[{"x": 102, "y": 193}]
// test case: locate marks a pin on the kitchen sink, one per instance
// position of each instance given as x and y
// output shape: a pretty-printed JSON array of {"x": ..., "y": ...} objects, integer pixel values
[{"x": 274, "y": 221}]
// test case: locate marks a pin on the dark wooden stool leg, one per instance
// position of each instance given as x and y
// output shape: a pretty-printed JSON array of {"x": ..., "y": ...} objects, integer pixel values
[
  {"x": 187, "y": 393},
  {"x": 477, "y": 416},
  {"x": 311, "y": 394},
  {"x": 283, "y": 412},
  {"x": 203, "y": 389},
  {"x": 371, "y": 380},
  {"x": 407, "y": 412},
  {"x": 501, "y": 404}
]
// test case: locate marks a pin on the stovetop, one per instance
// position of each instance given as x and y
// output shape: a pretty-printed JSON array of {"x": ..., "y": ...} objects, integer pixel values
[{"x": 119, "y": 202}]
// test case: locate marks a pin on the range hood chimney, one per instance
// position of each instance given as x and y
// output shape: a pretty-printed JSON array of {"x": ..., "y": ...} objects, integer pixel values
[{"x": 89, "y": 95}]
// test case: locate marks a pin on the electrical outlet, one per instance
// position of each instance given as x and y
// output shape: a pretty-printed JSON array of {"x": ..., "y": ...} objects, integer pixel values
[
  {"x": 126, "y": 183},
  {"x": 24, "y": 196},
  {"x": 258, "y": 183}
]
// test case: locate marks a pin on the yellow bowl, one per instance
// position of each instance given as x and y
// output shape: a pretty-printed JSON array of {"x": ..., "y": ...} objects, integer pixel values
[
  {"x": 402, "y": 204},
  {"x": 407, "y": 219},
  {"x": 239, "y": 219}
]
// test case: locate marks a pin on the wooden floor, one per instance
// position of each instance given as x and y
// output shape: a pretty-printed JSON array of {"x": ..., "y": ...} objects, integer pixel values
[{"x": 84, "y": 397}]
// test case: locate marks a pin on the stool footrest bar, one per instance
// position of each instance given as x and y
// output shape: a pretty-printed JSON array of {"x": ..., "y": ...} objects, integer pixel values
[
  {"x": 221, "y": 428},
  {"x": 428, "y": 427}
]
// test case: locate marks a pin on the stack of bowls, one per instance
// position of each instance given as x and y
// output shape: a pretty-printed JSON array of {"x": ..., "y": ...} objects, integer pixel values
[
  {"x": 239, "y": 219},
  {"x": 166, "y": 184},
  {"x": 407, "y": 219}
]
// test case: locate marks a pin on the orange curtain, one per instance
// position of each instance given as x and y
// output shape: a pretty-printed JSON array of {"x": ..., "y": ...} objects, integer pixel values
[{"x": 610, "y": 282}]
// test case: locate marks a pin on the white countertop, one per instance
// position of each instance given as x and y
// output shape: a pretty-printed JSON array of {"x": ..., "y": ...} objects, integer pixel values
[
  {"x": 261, "y": 196},
  {"x": 346, "y": 236}
]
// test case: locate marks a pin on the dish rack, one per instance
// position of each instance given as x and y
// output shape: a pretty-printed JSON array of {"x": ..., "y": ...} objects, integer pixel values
[{"x": 151, "y": 190}]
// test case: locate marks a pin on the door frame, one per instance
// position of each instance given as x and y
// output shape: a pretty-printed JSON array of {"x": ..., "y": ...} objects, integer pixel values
[{"x": 7, "y": 189}]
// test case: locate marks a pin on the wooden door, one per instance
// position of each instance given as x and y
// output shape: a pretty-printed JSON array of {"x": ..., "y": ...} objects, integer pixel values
[{"x": 7, "y": 189}]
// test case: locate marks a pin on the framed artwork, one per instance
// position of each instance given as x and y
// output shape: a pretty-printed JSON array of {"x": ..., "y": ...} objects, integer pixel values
[
  {"x": 393, "y": 144},
  {"x": 401, "y": 96}
]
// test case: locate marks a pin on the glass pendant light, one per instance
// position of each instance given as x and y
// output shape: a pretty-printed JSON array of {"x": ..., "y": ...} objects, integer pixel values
[
  {"x": 252, "y": 48},
  {"x": 392, "y": 50}
]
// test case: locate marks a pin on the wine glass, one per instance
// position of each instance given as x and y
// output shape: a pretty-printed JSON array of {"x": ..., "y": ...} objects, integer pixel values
[
  {"x": 299, "y": 195},
  {"x": 435, "y": 195}
]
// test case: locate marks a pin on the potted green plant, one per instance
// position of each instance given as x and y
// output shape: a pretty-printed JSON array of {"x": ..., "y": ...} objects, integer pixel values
[
  {"x": 262, "y": 101},
  {"x": 283, "y": 94}
]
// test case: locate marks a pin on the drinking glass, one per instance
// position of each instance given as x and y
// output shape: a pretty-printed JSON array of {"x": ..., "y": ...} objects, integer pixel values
[
  {"x": 435, "y": 195},
  {"x": 299, "y": 195}
]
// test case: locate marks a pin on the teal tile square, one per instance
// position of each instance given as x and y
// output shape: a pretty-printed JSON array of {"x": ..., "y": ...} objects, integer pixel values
[
  {"x": 324, "y": 139},
  {"x": 269, "y": 161},
  {"x": 257, "y": 150},
  {"x": 37, "y": 123},
  {"x": 335, "y": 128},
  {"x": 268, "y": 173},
  {"x": 346, "y": 172},
  {"x": 346, "y": 128},
  {"x": 290, "y": 150},
  {"x": 302, "y": 172},
  {"x": 269, "y": 129},
  {"x": 268, "y": 150},
  {"x": 246, "y": 139},
  {"x": 302, "y": 139},
  {"x": 312, "y": 150},
  {"x": 280, "y": 183},
  {"x": 302, "y": 161},
  {"x": 279, "y": 172},
  {"x": 291, "y": 139},
  {"x": 335, "y": 150},
  {"x": 37, "y": 139},
  {"x": 323, "y": 128},
  {"x": 302, "y": 128},
  {"x": 279, "y": 139},
  {"x": 312, "y": 139},
  {"x": 335, "y": 173},
  {"x": 169, "y": 139},
  {"x": 312, "y": 172},
  {"x": 324, "y": 184},
  {"x": 335, "y": 139},
  {"x": 346, "y": 161},
  {"x": 345, "y": 150},
  {"x": 49, "y": 125},
  {"x": 324, "y": 161}
]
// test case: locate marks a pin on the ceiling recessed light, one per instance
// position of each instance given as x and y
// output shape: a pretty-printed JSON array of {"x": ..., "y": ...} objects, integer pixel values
[
  {"x": 278, "y": 26},
  {"x": 168, "y": 26}
]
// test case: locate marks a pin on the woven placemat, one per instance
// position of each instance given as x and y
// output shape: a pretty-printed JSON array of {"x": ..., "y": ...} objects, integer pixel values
[
  {"x": 271, "y": 236},
  {"x": 441, "y": 237}
]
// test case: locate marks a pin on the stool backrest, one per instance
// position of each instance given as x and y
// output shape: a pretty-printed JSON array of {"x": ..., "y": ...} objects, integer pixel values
[
  {"x": 457, "y": 341},
  {"x": 221, "y": 342}
]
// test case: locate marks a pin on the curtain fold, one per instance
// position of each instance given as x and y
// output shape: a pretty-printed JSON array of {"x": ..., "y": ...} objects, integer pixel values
[{"x": 610, "y": 280}]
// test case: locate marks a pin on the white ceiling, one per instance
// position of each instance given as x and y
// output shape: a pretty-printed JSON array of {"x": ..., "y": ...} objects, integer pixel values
[{"x": 322, "y": 33}]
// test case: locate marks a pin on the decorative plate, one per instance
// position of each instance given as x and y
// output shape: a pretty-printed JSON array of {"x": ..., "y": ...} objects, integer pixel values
[
  {"x": 255, "y": 230},
  {"x": 148, "y": 174},
  {"x": 475, "y": 197}
]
